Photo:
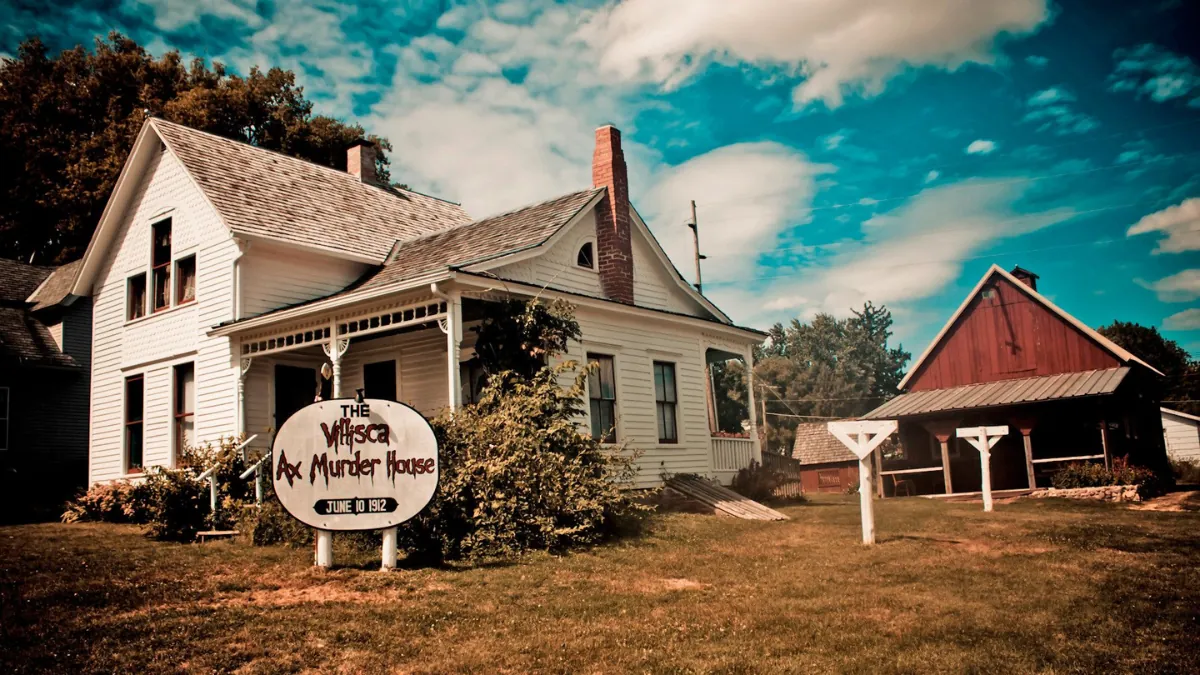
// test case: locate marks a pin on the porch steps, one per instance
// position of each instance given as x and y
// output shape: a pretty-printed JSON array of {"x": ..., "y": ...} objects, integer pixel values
[
  {"x": 723, "y": 500},
  {"x": 215, "y": 534}
]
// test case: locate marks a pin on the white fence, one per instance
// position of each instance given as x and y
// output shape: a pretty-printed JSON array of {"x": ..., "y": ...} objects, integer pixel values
[{"x": 731, "y": 454}]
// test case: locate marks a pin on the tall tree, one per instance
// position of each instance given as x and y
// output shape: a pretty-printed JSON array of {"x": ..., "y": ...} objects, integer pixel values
[
  {"x": 1181, "y": 386},
  {"x": 67, "y": 123},
  {"x": 828, "y": 367}
]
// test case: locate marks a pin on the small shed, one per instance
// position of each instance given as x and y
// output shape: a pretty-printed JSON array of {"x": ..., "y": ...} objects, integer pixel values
[
  {"x": 1181, "y": 431},
  {"x": 825, "y": 464}
]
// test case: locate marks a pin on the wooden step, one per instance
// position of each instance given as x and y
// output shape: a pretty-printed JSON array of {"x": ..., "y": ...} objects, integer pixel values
[
  {"x": 215, "y": 534},
  {"x": 723, "y": 499}
]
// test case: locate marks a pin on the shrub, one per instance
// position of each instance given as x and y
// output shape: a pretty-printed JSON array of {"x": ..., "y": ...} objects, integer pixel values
[
  {"x": 1077, "y": 475},
  {"x": 270, "y": 525},
  {"x": 177, "y": 504},
  {"x": 1186, "y": 471},
  {"x": 116, "y": 502},
  {"x": 757, "y": 482},
  {"x": 517, "y": 475}
]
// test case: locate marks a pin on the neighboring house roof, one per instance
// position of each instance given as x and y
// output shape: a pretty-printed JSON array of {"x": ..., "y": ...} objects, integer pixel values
[
  {"x": 1005, "y": 392},
  {"x": 268, "y": 194},
  {"x": 26, "y": 341},
  {"x": 19, "y": 280},
  {"x": 1106, "y": 344},
  {"x": 1180, "y": 414},
  {"x": 56, "y": 287},
  {"x": 815, "y": 445}
]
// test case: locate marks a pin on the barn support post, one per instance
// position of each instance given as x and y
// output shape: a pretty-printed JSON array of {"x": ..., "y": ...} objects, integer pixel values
[
  {"x": 1104, "y": 443},
  {"x": 862, "y": 438},
  {"x": 877, "y": 459},
  {"x": 984, "y": 439},
  {"x": 1028, "y": 443},
  {"x": 389, "y": 549},
  {"x": 944, "y": 444}
]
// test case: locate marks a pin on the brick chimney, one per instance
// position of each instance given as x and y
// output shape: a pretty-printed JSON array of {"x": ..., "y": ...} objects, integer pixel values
[
  {"x": 360, "y": 161},
  {"x": 1025, "y": 276},
  {"x": 614, "y": 255}
]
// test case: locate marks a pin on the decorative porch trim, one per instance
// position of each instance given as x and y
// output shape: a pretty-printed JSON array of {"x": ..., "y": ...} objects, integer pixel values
[{"x": 366, "y": 321}]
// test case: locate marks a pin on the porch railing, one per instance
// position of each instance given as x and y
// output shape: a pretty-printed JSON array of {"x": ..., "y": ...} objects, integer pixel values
[{"x": 731, "y": 454}]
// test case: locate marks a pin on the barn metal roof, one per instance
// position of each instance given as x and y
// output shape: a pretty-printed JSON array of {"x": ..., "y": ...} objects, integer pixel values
[{"x": 1006, "y": 392}]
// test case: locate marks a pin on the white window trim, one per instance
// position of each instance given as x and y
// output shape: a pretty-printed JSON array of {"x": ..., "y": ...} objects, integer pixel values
[
  {"x": 195, "y": 256},
  {"x": 659, "y": 443},
  {"x": 173, "y": 460},
  {"x": 145, "y": 298},
  {"x": 580, "y": 243},
  {"x": 7, "y": 416}
]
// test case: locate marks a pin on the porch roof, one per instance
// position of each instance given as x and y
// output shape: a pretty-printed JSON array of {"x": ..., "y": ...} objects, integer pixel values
[{"x": 1005, "y": 392}]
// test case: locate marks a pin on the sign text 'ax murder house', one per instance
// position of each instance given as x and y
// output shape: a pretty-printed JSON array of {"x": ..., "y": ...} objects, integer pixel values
[{"x": 343, "y": 465}]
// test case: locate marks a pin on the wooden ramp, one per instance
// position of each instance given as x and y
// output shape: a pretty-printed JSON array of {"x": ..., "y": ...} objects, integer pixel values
[{"x": 724, "y": 500}]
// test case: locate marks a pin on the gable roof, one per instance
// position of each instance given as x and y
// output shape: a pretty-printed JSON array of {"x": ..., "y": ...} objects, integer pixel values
[
  {"x": 1179, "y": 413},
  {"x": 268, "y": 194},
  {"x": 815, "y": 445},
  {"x": 56, "y": 287},
  {"x": 19, "y": 280},
  {"x": 1108, "y": 345}
]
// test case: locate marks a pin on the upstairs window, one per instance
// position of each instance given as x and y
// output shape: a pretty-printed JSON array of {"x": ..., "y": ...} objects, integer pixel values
[
  {"x": 135, "y": 390},
  {"x": 586, "y": 256},
  {"x": 602, "y": 397},
  {"x": 665, "y": 401},
  {"x": 185, "y": 280},
  {"x": 160, "y": 264},
  {"x": 135, "y": 294}
]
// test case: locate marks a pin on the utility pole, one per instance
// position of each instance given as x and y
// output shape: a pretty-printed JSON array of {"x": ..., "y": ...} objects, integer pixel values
[
  {"x": 766, "y": 426},
  {"x": 696, "y": 244}
]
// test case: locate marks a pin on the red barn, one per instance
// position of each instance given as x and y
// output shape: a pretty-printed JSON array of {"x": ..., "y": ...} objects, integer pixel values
[{"x": 1009, "y": 356}]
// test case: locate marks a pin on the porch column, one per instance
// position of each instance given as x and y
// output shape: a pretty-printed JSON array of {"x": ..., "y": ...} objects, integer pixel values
[
  {"x": 335, "y": 349},
  {"x": 1026, "y": 430},
  {"x": 755, "y": 442},
  {"x": 453, "y": 344},
  {"x": 241, "y": 396}
]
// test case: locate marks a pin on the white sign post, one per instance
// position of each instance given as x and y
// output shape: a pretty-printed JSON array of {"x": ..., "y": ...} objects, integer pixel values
[
  {"x": 344, "y": 465},
  {"x": 984, "y": 439},
  {"x": 862, "y": 437}
]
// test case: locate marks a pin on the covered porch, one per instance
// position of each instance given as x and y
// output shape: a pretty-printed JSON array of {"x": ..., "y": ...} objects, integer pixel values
[{"x": 733, "y": 425}]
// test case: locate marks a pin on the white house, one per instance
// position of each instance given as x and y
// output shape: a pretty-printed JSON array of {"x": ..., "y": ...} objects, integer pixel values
[
  {"x": 224, "y": 276},
  {"x": 1182, "y": 434}
]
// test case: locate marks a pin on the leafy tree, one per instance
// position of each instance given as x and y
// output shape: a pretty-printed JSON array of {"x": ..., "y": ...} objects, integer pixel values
[
  {"x": 68, "y": 122},
  {"x": 828, "y": 367},
  {"x": 1181, "y": 385},
  {"x": 520, "y": 336}
]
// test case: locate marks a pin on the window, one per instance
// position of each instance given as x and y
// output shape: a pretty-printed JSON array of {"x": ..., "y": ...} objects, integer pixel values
[
  {"x": 473, "y": 379},
  {"x": 665, "y": 399},
  {"x": 160, "y": 264},
  {"x": 586, "y": 257},
  {"x": 185, "y": 280},
  {"x": 602, "y": 394},
  {"x": 135, "y": 293},
  {"x": 4, "y": 415},
  {"x": 185, "y": 406},
  {"x": 135, "y": 388},
  {"x": 379, "y": 380}
]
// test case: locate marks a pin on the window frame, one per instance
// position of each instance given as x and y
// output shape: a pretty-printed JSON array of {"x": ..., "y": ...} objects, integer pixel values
[
  {"x": 177, "y": 281},
  {"x": 672, "y": 402},
  {"x": 614, "y": 430},
  {"x": 126, "y": 423},
  {"x": 163, "y": 267},
  {"x": 129, "y": 296},
  {"x": 178, "y": 417},
  {"x": 6, "y": 416},
  {"x": 579, "y": 250}
]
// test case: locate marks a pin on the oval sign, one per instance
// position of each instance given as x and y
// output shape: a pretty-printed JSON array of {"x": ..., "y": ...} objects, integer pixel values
[{"x": 342, "y": 465}]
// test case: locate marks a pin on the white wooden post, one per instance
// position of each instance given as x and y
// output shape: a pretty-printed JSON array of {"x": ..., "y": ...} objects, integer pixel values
[
  {"x": 244, "y": 368},
  {"x": 212, "y": 491},
  {"x": 452, "y": 327},
  {"x": 258, "y": 486},
  {"x": 984, "y": 439},
  {"x": 324, "y": 549},
  {"x": 867, "y": 436},
  {"x": 755, "y": 442},
  {"x": 389, "y": 549}
]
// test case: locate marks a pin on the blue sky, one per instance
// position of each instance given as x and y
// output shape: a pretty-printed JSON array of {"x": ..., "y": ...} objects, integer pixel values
[{"x": 838, "y": 150}]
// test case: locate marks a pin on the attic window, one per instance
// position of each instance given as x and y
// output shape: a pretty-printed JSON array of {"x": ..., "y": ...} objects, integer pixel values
[
  {"x": 586, "y": 257},
  {"x": 990, "y": 293}
]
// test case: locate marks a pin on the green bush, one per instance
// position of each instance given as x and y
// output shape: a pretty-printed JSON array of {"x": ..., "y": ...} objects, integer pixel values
[
  {"x": 757, "y": 482},
  {"x": 517, "y": 475},
  {"x": 270, "y": 525},
  {"x": 1186, "y": 471},
  {"x": 1080, "y": 475}
]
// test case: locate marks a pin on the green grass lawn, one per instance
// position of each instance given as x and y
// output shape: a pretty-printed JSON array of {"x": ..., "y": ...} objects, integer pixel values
[{"x": 1037, "y": 586}]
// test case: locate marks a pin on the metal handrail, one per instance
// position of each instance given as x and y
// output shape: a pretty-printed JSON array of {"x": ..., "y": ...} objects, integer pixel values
[{"x": 211, "y": 475}]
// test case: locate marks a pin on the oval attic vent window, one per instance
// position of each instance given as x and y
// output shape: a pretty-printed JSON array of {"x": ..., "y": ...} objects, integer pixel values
[{"x": 586, "y": 257}]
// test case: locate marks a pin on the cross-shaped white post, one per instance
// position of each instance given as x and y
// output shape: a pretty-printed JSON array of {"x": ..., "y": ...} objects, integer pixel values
[
  {"x": 862, "y": 437},
  {"x": 984, "y": 439}
]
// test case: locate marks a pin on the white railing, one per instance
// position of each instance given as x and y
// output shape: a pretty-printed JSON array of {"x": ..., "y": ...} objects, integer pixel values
[
  {"x": 256, "y": 470},
  {"x": 731, "y": 454},
  {"x": 210, "y": 475}
]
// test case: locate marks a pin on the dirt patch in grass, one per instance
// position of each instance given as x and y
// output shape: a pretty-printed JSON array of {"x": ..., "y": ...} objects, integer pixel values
[{"x": 1178, "y": 501}]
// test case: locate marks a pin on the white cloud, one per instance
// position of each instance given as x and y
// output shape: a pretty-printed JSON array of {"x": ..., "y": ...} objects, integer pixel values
[
  {"x": 839, "y": 47},
  {"x": 1051, "y": 95},
  {"x": 1156, "y": 72},
  {"x": 1180, "y": 224},
  {"x": 1052, "y": 110},
  {"x": 746, "y": 195},
  {"x": 1188, "y": 319},
  {"x": 932, "y": 176},
  {"x": 981, "y": 147},
  {"x": 1181, "y": 287},
  {"x": 1037, "y": 61}
]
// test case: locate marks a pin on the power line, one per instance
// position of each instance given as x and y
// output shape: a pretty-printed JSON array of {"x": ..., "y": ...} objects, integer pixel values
[{"x": 806, "y": 417}]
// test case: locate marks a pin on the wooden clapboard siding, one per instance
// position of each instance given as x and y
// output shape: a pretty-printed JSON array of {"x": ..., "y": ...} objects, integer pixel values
[
  {"x": 275, "y": 276},
  {"x": 1182, "y": 434},
  {"x": 1006, "y": 337},
  {"x": 153, "y": 345}
]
